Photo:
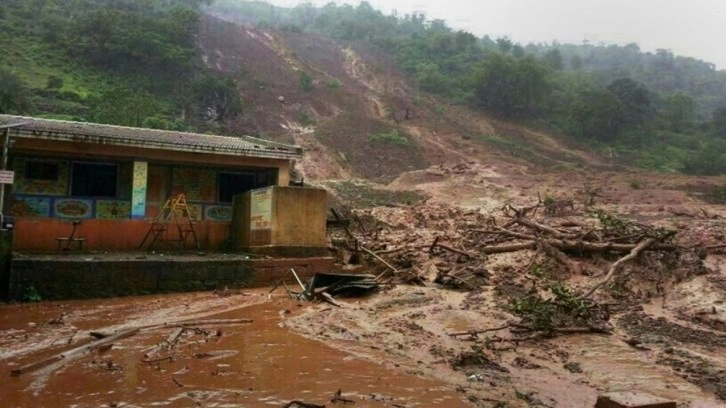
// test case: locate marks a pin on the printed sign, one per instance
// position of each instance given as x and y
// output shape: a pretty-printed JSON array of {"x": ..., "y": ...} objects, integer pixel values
[
  {"x": 261, "y": 209},
  {"x": 7, "y": 176}
]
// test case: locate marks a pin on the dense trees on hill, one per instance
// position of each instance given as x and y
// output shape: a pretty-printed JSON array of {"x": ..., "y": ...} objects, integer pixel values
[
  {"x": 664, "y": 111},
  {"x": 142, "y": 56},
  {"x": 90, "y": 59},
  {"x": 14, "y": 94}
]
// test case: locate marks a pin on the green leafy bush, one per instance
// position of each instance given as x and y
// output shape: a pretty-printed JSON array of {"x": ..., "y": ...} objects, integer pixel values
[
  {"x": 306, "y": 81},
  {"x": 392, "y": 137}
]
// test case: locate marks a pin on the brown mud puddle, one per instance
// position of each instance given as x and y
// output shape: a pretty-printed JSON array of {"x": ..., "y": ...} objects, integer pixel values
[{"x": 248, "y": 365}]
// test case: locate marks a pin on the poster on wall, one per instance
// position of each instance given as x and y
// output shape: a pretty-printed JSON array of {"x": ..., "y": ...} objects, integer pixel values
[
  {"x": 218, "y": 213},
  {"x": 113, "y": 209},
  {"x": 196, "y": 184},
  {"x": 30, "y": 207},
  {"x": 73, "y": 208},
  {"x": 261, "y": 209}
]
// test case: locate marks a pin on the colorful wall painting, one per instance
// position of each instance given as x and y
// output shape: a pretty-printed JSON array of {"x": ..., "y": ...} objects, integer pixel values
[
  {"x": 30, "y": 207},
  {"x": 196, "y": 184},
  {"x": 138, "y": 194},
  {"x": 218, "y": 213},
  {"x": 195, "y": 211},
  {"x": 261, "y": 209},
  {"x": 113, "y": 209},
  {"x": 73, "y": 208},
  {"x": 25, "y": 185}
]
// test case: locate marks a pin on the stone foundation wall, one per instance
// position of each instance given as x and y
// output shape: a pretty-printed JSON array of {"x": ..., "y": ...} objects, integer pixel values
[{"x": 76, "y": 279}]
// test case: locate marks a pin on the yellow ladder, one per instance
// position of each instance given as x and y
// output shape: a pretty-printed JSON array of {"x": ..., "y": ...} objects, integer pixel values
[{"x": 175, "y": 211}]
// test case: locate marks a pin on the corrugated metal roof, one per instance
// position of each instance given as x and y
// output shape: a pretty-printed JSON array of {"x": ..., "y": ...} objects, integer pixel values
[{"x": 147, "y": 138}]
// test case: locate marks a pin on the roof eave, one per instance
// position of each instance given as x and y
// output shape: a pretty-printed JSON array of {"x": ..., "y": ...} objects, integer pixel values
[{"x": 26, "y": 132}]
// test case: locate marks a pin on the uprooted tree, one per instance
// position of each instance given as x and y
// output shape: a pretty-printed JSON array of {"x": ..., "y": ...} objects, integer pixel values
[{"x": 457, "y": 258}]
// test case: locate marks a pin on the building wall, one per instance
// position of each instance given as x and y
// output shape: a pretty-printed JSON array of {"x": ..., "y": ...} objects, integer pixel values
[
  {"x": 43, "y": 208},
  {"x": 299, "y": 216},
  {"x": 39, "y": 235},
  {"x": 280, "y": 217}
]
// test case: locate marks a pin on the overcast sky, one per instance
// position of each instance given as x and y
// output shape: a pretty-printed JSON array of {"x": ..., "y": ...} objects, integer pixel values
[{"x": 694, "y": 28}]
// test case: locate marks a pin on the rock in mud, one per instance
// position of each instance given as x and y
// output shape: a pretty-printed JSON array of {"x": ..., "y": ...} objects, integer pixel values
[{"x": 632, "y": 400}]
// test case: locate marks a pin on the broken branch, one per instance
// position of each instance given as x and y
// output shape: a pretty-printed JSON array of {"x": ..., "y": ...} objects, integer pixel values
[{"x": 616, "y": 265}]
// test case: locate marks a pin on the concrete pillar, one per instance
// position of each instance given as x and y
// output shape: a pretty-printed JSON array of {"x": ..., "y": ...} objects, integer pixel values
[{"x": 138, "y": 192}]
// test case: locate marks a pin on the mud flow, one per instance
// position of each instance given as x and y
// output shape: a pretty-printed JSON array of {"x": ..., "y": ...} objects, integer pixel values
[{"x": 256, "y": 364}]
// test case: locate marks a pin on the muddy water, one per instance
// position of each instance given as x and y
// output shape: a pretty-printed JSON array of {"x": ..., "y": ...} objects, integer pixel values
[
  {"x": 251, "y": 365},
  {"x": 615, "y": 366}
]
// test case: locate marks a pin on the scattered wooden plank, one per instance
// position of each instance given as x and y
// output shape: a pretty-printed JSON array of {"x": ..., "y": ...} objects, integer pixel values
[
  {"x": 35, "y": 366},
  {"x": 326, "y": 297},
  {"x": 96, "y": 344},
  {"x": 66, "y": 355}
]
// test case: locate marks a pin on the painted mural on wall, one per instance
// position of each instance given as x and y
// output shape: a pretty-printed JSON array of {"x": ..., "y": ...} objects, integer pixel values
[
  {"x": 73, "y": 208},
  {"x": 196, "y": 184},
  {"x": 138, "y": 193},
  {"x": 113, "y": 209},
  {"x": 195, "y": 211},
  {"x": 218, "y": 213},
  {"x": 53, "y": 181},
  {"x": 30, "y": 207}
]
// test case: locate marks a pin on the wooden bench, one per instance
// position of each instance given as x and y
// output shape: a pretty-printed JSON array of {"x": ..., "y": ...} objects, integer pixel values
[{"x": 68, "y": 241}]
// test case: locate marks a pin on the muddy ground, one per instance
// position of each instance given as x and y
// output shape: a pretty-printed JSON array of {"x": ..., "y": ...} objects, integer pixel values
[
  {"x": 251, "y": 364},
  {"x": 663, "y": 335}
]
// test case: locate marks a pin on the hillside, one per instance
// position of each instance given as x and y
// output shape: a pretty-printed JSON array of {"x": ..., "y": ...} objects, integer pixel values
[
  {"x": 360, "y": 117},
  {"x": 415, "y": 168}
]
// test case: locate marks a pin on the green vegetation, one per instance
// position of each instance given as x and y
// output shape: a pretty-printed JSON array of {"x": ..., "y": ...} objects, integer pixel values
[
  {"x": 306, "y": 81},
  {"x": 91, "y": 59},
  {"x": 654, "y": 110},
  {"x": 547, "y": 313},
  {"x": 126, "y": 62},
  {"x": 332, "y": 83},
  {"x": 365, "y": 195},
  {"x": 392, "y": 137},
  {"x": 14, "y": 94},
  {"x": 30, "y": 294}
]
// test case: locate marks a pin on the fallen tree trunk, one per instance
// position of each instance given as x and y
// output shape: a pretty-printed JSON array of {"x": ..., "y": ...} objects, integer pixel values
[
  {"x": 475, "y": 332},
  {"x": 67, "y": 355},
  {"x": 452, "y": 249},
  {"x": 616, "y": 265},
  {"x": 185, "y": 323},
  {"x": 569, "y": 245}
]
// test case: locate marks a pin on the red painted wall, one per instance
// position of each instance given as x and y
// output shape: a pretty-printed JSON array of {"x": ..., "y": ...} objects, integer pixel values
[{"x": 39, "y": 234}]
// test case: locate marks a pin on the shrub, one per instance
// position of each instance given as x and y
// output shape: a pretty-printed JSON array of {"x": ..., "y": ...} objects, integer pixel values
[
  {"x": 306, "y": 81},
  {"x": 392, "y": 137}
]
